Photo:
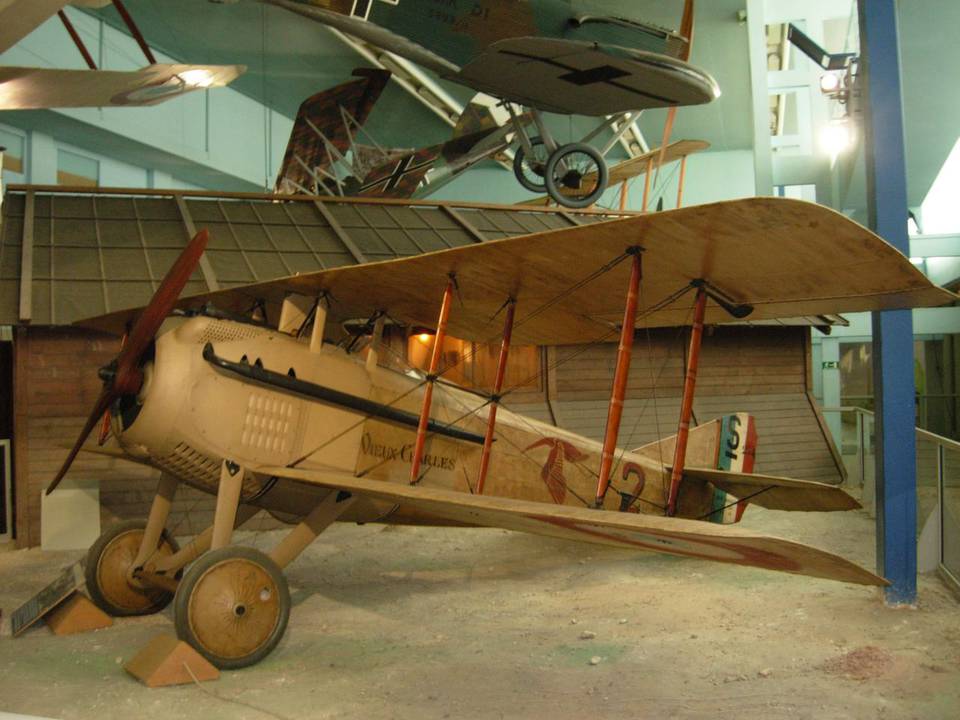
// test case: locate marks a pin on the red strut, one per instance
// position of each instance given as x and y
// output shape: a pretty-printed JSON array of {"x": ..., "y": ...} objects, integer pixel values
[
  {"x": 686, "y": 406},
  {"x": 615, "y": 410},
  {"x": 497, "y": 386},
  {"x": 431, "y": 377}
]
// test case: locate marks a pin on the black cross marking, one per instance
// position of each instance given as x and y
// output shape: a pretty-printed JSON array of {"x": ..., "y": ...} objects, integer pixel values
[
  {"x": 403, "y": 168},
  {"x": 603, "y": 74}
]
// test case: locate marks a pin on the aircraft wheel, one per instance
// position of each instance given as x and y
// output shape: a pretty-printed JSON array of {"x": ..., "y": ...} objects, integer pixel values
[
  {"x": 232, "y": 606},
  {"x": 576, "y": 175},
  {"x": 530, "y": 169},
  {"x": 107, "y": 571}
]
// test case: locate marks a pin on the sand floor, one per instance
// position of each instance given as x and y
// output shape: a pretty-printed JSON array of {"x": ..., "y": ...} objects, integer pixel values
[{"x": 446, "y": 623}]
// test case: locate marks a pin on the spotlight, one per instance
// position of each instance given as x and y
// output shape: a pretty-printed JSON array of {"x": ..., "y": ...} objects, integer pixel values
[
  {"x": 829, "y": 83},
  {"x": 197, "y": 77},
  {"x": 837, "y": 137}
]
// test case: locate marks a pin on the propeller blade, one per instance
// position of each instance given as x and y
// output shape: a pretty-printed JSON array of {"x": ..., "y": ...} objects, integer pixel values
[
  {"x": 103, "y": 403},
  {"x": 162, "y": 302},
  {"x": 105, "y": 425}
]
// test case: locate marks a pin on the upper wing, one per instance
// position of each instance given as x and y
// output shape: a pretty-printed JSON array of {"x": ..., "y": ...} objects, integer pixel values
[
  {"x": 777, "y": 493},
  {"x": 688, "y": 538},
  {"x": 18, "y": 18},
  {"x": 787, "y": 258},
  {"x": 320, "y": 118},
  {"x": 37, "y": 88},
  {"x": 584, "y": 78}
]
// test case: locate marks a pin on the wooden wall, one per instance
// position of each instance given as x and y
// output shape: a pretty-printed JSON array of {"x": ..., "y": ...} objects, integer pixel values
[
  {"x": 758, "y": 369},
  {"x": 761, "y": 370}
]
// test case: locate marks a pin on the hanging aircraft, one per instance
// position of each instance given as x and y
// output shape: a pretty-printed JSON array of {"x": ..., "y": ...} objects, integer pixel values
[
  {"x": 331, "y": 153},
  {"x": 30, "y": 88},
  {"x": 545, "y": 55},
  {"x": 279, "y": 417}
]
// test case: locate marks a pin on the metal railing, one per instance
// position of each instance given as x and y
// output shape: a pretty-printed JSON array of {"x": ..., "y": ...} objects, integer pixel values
[{"x": 938, "y": 483}]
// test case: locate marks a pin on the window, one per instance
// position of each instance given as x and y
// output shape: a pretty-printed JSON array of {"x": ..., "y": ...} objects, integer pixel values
[
  {"x": 77, "y": 170},
  {"x": 13, "y": 153},
  {"x": 474, "y": 365}
]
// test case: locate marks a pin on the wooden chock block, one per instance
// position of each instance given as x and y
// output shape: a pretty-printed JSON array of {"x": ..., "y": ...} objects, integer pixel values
[
  {"x": 76, "y": 614},
  {"x": 168, "y": 661}
]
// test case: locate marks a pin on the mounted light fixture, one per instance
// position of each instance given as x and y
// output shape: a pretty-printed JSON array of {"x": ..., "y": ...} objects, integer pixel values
[
  {"x": 837, "y": 137},
  {"x": 830, "y": 83}
]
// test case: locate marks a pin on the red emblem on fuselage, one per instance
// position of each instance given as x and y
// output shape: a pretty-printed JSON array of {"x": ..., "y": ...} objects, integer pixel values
[{"x": 552, "y": 471}]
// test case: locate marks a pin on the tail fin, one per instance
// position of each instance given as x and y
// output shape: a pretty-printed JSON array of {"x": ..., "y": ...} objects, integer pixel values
[
  {"x": 320, "y": 120},
  {"x": 727, "y": 443}
]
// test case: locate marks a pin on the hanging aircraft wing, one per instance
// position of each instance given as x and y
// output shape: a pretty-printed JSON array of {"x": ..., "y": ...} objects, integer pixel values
[
  {"x": 18, "y": 18},
  {"x": 635, "y": 166},
  {"x": 25, "y": 88},
  {"x": 582, "y": 78},
  {"x": 688, "y": 538},
  {"x": 785, "y": 258},
  {"x": 320, "y": 120}
]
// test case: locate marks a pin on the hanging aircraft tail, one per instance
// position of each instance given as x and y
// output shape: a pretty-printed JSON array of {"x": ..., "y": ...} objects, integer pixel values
[{"x": 324, "y": 129}]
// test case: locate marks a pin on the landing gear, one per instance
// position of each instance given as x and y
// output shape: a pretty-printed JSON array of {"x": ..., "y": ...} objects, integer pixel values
[
  {"x": 109, "y": 571},
  {"x": 530, "y": 167},
  {"x": 576, "y": 175},
  {"x": 232, "y": 605}
]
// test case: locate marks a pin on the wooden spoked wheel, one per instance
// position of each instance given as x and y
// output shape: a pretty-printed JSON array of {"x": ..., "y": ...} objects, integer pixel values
[
  {"x": 232, "y": 606},
  {"x": 108, "y": 566}
]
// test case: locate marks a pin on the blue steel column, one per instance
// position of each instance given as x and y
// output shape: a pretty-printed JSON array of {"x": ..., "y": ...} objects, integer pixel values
[{"x": 892, "y": 330}]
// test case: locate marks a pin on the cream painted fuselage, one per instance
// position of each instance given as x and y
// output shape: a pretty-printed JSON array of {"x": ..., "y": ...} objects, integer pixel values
[{"x": 190, "y": 416}]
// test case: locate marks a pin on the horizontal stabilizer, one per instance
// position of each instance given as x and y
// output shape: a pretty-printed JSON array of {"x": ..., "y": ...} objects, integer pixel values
[
  {"x": 27, "y": 88},
  {"x": 634, "y": 531},
  {"x": 777, "y": 493}
]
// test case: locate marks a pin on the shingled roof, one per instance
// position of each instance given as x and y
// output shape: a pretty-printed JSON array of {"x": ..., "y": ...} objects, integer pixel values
[{"x": 69, "y": 253}]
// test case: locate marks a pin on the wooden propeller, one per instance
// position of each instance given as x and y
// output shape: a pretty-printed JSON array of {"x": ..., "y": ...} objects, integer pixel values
[{"x": 123, "y": 375}]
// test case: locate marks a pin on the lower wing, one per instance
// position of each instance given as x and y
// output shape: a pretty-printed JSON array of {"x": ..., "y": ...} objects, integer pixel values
[
  {"x": 688, "y": 538},
  {"x": 29, "y": 88}
]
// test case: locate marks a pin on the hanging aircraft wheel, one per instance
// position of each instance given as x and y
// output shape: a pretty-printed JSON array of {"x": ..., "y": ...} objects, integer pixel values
[
  {"x": 232, "y": 606},
  {"x": 108, "y": 566},
  {"x": 576, "y": 175},
  {"x": 530, "y": 169}
]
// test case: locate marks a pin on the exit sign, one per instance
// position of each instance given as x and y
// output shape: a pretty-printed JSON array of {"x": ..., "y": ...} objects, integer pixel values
[{"x": 830, "y": 365}]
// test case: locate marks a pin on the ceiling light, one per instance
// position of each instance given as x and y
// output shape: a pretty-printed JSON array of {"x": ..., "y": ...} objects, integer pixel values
[
  {"x": 197, "y": 78},
  {"x": 837, "y": 137},
  {"x": 829, "y": 83}
]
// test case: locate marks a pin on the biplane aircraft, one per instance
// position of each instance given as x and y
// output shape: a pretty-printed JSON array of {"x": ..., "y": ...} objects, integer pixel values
[
  {"x": 331, "y": 153},
  {"x": 279, "y": 417},
  {"x": 28, "y": 88},
  {"x": 545, "y": 55}
]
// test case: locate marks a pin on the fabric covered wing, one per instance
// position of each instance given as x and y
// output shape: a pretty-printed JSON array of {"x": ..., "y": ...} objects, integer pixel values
[
  {"x": 574, "y": 77},
  {"x": 18, "y": 18},
  {"x": 37, "y": 88},
  {"x": 320, "y": 117},
  {"x": 787, "y": 258},
  {"x": 688, "y": 538}
]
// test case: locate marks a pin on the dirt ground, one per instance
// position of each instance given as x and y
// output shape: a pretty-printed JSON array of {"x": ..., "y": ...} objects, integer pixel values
[{"x": 444, "y": 623}]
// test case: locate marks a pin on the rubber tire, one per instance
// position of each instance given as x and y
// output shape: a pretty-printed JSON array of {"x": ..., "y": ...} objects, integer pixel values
[
  {"x": 162, "y": 597},
  {"x": 518, "y": 158},
  {"x": 555, "y": 192},
  {"x": 196, "y": 572}
]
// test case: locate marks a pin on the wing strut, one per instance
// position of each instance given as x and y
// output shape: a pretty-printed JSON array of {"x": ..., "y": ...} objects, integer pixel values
[
  {"x": 686, "y": 406},
  {"x": 431, "y": 379},
  {"x": 495, "y": 397},
  {"x": 615, "y": 409}
]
